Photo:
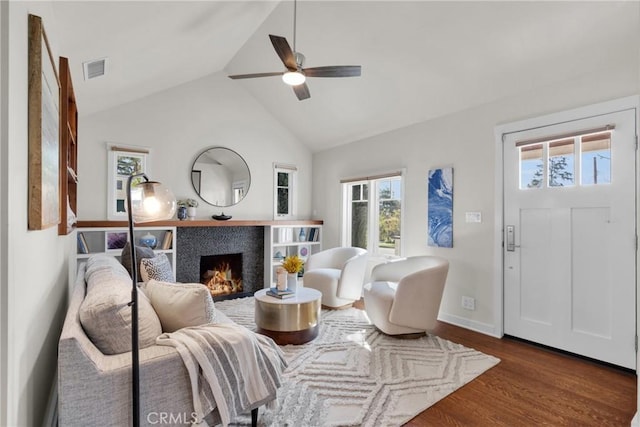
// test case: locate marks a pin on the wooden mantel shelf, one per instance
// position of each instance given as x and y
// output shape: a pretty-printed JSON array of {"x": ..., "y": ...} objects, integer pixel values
[{"x": 199, "y": 223}]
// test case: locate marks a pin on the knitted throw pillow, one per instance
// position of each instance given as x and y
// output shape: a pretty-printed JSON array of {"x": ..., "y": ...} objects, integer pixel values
[{"x": 158, "y": 268}]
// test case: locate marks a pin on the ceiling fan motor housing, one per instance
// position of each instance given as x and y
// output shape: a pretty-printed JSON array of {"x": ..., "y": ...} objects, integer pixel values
[{"x": 300, "y": 59}]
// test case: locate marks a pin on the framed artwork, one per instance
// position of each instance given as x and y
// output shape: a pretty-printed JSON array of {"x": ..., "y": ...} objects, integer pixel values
[
  {"x": 304, "y": 251},
  {"x": 440, "y": 208},
  {"x": 122, "y": 162},
  {"x": 44, "y": 134},
  {"x": 115, "y": 240}
]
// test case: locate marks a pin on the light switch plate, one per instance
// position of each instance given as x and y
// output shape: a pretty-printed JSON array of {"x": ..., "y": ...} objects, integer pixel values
[{"x": 473, "y": 216}]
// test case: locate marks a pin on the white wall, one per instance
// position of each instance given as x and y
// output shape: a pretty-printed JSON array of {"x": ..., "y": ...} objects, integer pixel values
[
  {"x": 36, "y": 262},
  {"x": 465, "y": 141},
  {"x": 177, "y": 125},
  {"x": 4, "y": 40}
]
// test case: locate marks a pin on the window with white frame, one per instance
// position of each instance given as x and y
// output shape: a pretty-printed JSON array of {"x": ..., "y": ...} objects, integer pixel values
[
  {"x": 372, "y": 214},
  {"x": 284, "y": 191}
]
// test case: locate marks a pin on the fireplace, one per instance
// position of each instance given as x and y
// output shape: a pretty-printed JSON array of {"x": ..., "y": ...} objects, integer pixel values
[{"x": 222, "y": 274}]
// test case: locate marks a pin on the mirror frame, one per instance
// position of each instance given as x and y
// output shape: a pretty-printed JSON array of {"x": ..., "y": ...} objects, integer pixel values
[{"x": 198, "y": 173}]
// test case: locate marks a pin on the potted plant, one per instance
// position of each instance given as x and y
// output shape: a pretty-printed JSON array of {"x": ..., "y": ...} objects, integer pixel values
[
  {"x": 189, "y": 205},
  {"x": 293, "y": 264}
]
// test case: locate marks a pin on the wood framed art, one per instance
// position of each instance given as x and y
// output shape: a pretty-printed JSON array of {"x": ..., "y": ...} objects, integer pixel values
[{"x": 44, "y": 130}]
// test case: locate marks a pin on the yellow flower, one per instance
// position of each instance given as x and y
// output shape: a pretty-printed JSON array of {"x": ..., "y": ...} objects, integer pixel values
[{"x": 292, "y": 264}]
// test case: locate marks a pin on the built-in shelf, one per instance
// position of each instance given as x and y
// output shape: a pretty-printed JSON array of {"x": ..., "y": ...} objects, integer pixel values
[
  {"x": 202, "y": 223},
  {"x": 68, "y": 151}
]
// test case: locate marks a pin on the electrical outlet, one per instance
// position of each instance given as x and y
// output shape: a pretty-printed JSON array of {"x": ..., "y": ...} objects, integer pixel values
[{"x": 468, "y": 303}]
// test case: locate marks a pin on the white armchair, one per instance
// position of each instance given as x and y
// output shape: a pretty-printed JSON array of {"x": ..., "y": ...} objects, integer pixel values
[
  {"x": 403, "y": 297},
  {"x": 338, "y": 273}
]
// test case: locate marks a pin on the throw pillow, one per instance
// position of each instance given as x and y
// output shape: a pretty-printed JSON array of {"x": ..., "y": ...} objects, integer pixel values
[
  {"x": 179, "y": 305},
  {"x": 142, "y": 252},
  {"x": 105, "y": 314},
  {"x": 158, "y": 268}
]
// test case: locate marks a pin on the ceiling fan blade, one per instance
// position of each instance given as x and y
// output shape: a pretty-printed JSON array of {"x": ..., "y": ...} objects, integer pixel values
[
  {"x": 334, "y": 71},
  {"x": 302, "y": 91},
  {"x": 284, "y": 51},
  {"x": 251, "y": 76}
]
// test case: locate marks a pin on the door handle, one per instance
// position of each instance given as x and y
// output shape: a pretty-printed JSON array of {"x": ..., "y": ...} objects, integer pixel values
[{"x": 511, "y": 238}]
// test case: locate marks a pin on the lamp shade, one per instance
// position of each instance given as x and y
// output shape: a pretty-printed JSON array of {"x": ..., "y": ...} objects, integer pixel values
[{"x": 152, "y": 201}]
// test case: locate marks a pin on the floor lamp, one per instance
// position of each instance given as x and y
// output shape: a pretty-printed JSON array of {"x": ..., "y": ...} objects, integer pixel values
[{"x": 146, "y": 201}]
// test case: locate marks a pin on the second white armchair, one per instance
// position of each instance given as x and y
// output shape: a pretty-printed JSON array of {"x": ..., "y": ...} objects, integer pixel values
[{"x": 338, "y": 273}]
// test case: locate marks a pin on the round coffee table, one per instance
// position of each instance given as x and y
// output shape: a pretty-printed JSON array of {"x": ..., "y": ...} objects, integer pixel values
[{"x": 292, "y": 320}]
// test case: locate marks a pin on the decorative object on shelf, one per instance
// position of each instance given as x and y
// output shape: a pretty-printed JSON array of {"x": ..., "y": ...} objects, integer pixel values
[
  {"x": 149, "y": 240},
  {"x": 292, "y": 264},
  {"x": 221, "y": 217},
  {"x": 302, "y": 237},
  {"x": 43, "y": 131},
  {"x": 182, "y": 213},
  {"x": 153, "y": 202},
  {"x": 281, "y": 279},
  {"x": 116, "y": 240},
  {"x": 190, "y": 205}
]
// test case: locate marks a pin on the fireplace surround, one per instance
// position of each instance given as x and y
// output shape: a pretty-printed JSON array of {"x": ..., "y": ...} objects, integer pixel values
[{"x": 196, "y": 242}]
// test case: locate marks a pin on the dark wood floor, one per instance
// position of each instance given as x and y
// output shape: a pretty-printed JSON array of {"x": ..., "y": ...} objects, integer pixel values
[{"x": 532, "y": 386}]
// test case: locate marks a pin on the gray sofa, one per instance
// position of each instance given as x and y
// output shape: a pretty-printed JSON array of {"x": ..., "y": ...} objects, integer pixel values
[{"x": 94, "y": 389}]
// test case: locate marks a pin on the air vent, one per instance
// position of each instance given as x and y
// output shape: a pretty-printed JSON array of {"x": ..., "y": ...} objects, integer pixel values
[{"x": 94, "y": 69}]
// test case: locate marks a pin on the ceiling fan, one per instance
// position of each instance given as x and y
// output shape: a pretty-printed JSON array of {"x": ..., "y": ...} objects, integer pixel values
[{"x": 295, "y": 74}]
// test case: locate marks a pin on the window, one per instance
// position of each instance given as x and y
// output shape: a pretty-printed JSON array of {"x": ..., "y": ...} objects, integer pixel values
[
  {"x": 372, "y": 214},
  {"x": 284, "y": 195},
  {"x": 564, "y": 162},
  {"x": 122, "y": 162}
]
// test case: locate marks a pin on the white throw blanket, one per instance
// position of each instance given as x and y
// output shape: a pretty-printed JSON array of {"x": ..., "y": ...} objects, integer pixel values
[{"x": 242, "y": 369}]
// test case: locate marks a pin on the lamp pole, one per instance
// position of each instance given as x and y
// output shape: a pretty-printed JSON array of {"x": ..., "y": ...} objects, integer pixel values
[{"x": 135, "y": 352}]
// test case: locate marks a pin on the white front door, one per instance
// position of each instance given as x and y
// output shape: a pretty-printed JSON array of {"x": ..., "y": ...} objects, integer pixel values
[{"x": 570, "y": 236}]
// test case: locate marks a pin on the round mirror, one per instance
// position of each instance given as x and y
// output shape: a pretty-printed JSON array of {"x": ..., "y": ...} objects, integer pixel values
[{"x": 220, "y": 177}]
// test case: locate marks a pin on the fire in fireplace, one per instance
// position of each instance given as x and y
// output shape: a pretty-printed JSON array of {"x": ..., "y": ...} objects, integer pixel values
[{"x": 222, "y": 274}]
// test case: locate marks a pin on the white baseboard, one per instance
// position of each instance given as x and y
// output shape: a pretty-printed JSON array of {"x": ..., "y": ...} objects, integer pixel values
[
  {"x": 483, "y": 328},
  {"x": 634, "y": 421}
]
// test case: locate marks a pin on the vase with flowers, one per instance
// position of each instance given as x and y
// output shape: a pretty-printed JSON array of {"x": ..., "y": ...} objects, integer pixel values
[{"x": 292, "y": 264}]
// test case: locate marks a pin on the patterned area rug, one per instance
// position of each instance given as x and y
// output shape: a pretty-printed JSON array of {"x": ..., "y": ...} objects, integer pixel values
[{"x": 353, "y": 375}]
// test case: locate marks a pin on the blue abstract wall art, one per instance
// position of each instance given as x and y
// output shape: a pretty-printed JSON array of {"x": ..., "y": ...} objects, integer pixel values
[{"x": 440, "y": 208}]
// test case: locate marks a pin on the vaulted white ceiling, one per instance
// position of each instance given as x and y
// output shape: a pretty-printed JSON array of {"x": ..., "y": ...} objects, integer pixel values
[{"x": 420, "y": 59}]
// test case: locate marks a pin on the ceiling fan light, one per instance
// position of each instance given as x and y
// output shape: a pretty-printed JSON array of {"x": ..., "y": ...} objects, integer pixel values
[{"x": 293, "y": 78}]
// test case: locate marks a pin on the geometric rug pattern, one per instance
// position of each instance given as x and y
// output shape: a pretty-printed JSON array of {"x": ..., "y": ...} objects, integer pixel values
[{"x": 353, "y": 375}]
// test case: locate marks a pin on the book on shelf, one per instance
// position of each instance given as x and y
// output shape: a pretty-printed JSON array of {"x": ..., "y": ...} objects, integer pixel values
[
  {"x": 167, "y": 240},
  {"x": 311, "y": 236},
  {"x": 83, "y": 248}
]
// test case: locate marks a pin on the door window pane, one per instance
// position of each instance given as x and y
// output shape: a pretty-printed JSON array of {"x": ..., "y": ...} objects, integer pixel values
[
  {"x": 596, "y": 159},
  {"x": 531, "y": 166},
  {"x": 389, "y": 216},
  {"x": 561, "y": 163}
]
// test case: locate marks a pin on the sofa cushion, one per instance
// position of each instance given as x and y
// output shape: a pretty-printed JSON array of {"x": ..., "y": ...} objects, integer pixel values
[
  {"x": 179, "y": 305},
  {"x": 142, "y": 252},
  {"x": 105, "y": 314},
  {"x": 158, "y": 268}
]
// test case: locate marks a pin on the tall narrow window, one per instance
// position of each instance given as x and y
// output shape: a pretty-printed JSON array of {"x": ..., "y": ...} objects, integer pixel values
[
  {"x": 372, "y": 215},
  {"x": 284, "y": 177}
]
